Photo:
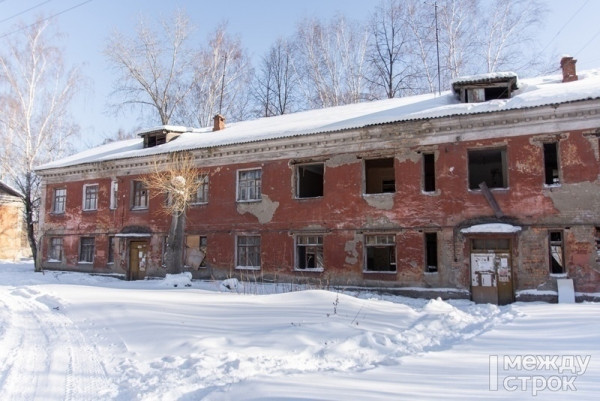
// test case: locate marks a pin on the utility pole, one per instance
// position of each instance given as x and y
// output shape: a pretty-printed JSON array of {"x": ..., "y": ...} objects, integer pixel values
[
  {"x": 437, "y": 46},
  {"x": 222, "y": 84}
]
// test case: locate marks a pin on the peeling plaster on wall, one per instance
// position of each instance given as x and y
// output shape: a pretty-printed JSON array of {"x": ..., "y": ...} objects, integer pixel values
[
  {"x": 570, "y": 155},
  {"x": 380, "y": 201},
  {"x": 350, "y": 249},
  {"x": 263, "y": 210},
  {"x": 381, "y": 222},
  {"x": 341, "y": 160},
  {"x": 407, "y": 154},
  {"x": 584, "y": 193}
]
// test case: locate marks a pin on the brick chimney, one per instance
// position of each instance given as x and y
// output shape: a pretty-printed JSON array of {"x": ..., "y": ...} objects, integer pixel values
[
  {"x": 219, "y": 123},
  {"x": 569, "y": 72}
]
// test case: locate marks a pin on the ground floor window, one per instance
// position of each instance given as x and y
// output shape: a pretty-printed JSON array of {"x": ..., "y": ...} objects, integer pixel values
[
  {"x": 380, "y": 255},
  {"x": 111, "y": 250},
  {"x": 86, "y": 250},
  {"x": 248, "y": 252},
  {"x": 195, "y": 251},
  {"x": 309, "y": 252},
  {"x": 431, "y": 252},
  {"x": 556, "y": 252},
  {"x": 55, "y": 253}
]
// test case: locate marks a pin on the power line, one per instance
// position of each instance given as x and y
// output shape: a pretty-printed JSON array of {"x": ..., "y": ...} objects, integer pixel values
[
  {"x": 25, "y": 11},
  {"x": 588, "y": 43},
  {"x": 47, "y": 18},
  {"x": 565, "y": 24}
]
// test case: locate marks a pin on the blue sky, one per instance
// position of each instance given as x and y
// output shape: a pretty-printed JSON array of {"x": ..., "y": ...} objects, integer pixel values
[{"x": 571, "y": 28}]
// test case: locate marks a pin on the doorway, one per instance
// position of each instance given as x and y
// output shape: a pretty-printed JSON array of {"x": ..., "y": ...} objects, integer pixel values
[
  {"x": 491, "y": 271},
  {"x": 138, "y": 251}
]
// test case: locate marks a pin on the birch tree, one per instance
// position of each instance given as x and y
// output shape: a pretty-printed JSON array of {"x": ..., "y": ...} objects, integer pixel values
[
  {"x": 36, "y": 89},
  {"x": 154, "y": 68}
]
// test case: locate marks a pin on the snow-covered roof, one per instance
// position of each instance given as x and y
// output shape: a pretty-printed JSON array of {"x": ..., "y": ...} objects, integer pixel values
[
  {"x": 491, "y": 228},
  {"x": 490, "y": 77},
  {"x": 531, "y": 93},
  {"x": 9, "y": 190}
]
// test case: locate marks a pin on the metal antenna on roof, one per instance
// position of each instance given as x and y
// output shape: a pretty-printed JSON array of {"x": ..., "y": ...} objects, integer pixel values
[
  {"x": 437, "y": 45},
  {"x": 222, "y": 84}
]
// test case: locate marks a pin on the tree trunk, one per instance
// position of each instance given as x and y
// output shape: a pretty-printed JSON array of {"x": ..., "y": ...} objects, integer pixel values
[
  {"x": 175, "y": 239},
  {"x": 29, "y": 220}
]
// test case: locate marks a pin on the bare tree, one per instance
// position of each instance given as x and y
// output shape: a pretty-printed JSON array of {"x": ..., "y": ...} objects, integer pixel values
[
  {"x": 276, "y": 83},
  {"x": 35, "y": 125},
  {"x": 178, "y": 180},
  {"x": 222, "y": 77},
  {"x": 155, "y": 68},
  {"x": 330, "y": 62}
]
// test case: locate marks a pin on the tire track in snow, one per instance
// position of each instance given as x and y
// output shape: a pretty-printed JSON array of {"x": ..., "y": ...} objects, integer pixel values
[{"x": 43, "y": 354}]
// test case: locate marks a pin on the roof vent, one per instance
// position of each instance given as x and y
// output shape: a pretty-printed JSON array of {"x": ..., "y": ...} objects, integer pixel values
[{"x": 481, "y": 88}]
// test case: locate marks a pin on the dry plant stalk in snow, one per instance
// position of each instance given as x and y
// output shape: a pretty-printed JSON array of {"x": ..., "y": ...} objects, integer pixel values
[{"x": 178, "y": 180}]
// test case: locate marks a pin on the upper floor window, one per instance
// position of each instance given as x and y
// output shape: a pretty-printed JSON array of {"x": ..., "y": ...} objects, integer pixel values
[
  {"x": 90, "y": 197},
  {"x": 309, "y": 252},
  {"x": 140, "y": 195},
  {"x": 551, "y": 164},
  {"x": 55, "y": 253},
  {"x": 489, "y": 166},
  {"x": 114, "y": 190},
  {"x": 380, "y": 254},
  {"x": 59, "y": 201},
  {"x": 249, "y": 185},
  {"x": 428, "y": 172},
  {"x": 380, "y": 176},
  {"x": 201, "y": 196},
  {"x": 309, "y": 180},
  {"x": 86, "y": 250},
  {"x": 248, "y": 252}
]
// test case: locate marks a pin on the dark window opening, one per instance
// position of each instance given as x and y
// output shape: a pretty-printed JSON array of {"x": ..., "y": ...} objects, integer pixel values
[
  {"x": 551, "y": 163},
  {"x": 155, "y": 140},
  {"x": 309, "y": 251},
  {"x": 597, "y": 244},
  {"x": 429, "y": 172},
  {"x": 310, "y": 180},
  {"x": 489, "y": 166},
  {"x": 111, "y": 250},
  {"x": 380, "y": 253},
  {"x": 86, "y": 250},
  {"x": 379, "y": 176},
  {"x": 556, "y": 252},
  {"x": 431, "y": 252},
  {"x": 496, "y": 93}
]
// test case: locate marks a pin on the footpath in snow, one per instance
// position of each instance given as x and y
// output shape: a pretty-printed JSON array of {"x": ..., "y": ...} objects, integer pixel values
[{"x": 73, "y": 336}]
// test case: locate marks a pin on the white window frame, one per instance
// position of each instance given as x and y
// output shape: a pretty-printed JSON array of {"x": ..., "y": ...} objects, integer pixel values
[
  {"x": 85, "y": 190},
  {"x": 63, "y": 203},
  {"x": 385, "y": 243},
  {"x": 202, "y": 189},
  {"x": 238, "y": 182},
  {"x": 237, "y": 245},
  {"x": 307, "y": 243},
  {"x": 80, "y": 260},
  {"x": 114, "y": 193}
]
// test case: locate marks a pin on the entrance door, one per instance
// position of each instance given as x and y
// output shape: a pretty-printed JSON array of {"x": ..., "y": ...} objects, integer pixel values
[
  {"x": 137, "y": 260},
  {"x": 491, "y": 271}
]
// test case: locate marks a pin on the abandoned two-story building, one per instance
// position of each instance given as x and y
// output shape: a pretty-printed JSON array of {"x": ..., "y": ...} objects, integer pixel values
[{"x": 489, "y": 191}]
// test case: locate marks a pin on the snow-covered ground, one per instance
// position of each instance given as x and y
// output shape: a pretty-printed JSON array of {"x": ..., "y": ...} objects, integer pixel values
[{"x": 71, "y": 336}]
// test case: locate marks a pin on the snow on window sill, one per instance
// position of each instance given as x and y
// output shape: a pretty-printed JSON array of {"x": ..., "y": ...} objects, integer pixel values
[
  {"x": 550, "y": 186},
  {"x": 317, "y": 270},
  {"x": 198, "y": 203},
  {"x": 139, "y": 208},
  {"x": 249, "y": 200},
  {"x": 54, "y": 261},
  {"x": 379, "y": 272},
  {"x": 379, "y": 194},
  {"x": 431, "y": 193},
  {"x": 431, "y": 273},
  {"x": 247, "y": 267},
  {"x": 559, "y": 275},
  {"x": 83, "y": 262}
]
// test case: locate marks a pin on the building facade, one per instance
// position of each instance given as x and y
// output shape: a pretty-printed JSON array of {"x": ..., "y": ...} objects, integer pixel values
[
  {"x": 493, "y": 200},
  {"x": 13, "y": 233}
]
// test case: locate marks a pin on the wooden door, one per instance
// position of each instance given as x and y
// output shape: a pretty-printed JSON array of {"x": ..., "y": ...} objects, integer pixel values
[{"x": 137, "y": 260}]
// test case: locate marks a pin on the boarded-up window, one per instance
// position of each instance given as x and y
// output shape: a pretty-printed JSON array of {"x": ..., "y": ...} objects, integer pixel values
[{"x": 195, "y": 251}]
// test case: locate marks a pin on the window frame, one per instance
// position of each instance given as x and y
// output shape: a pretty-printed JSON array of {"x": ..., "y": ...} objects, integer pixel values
[
  {"x": 556, "y": 180},
  {"x": 554, "y": 243},
  {"x": 90, "y": 249},
  {"x": 202, "y": 242},
  {"x": 203, "y": 188},
  {"x": 51, "y": 250},
  {"x": 318, "y": 250},
  {"x": 257, "y": 187},
  {"x": 383, "y": 244},
  {"x": 429, "y": 178},
  {"x": 384, "y": 182},
  {"x": 114, "y": 195},
  {"x": 429, "y": 268},
  {"x": 63, "y": 201},
  {"x": 504, "y": 165},
  {"x": 110, "y": 254},
  {"x": 86, "y": 198},
  {"x": 297, "y": 168},
  {"x": 135, "y": 186},
  {"x": 238, "y": 252}
]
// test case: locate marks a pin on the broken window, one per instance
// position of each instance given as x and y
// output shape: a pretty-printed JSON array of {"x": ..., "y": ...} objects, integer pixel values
[
  {"x": 489, "y": 166},
  {"x": 380, "y": 253},
  {"x": 309, "y": 252},
  {"x": 114, "y": 189},
  {"x": 90, "y": 197},
  {"x": 55, "y": 253},
  {"x": 556, "y": 252},
  {"x": 379, "y": 176},
  {"x": 248, "y": 252},
  {"x": 140, "y": 195},
  {"x": 429, "y": 172},
  {"x": 59, "y": 201},
  {"x": 201, "y": 196},
  {"x": 431, "y": 252},
  {"x": 249, "y": 185},
  {"x": 195, "y": 251},
  {"x": 86, "y": 250},
  {"x": 111, "y": 250},
  {"x": 155, "y": 140},
  {"x": 309, "y": 180},
  {"x": 597, "y": 244},
  {"x": 551, "y": 163}
]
